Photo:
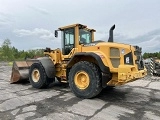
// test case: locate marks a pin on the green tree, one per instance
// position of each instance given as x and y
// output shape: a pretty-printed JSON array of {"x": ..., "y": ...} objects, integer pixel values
[
  {"x": 15, "y": 53},
  {"x": 6, "y": 51},
  {"x": 145, "y": 55},
  {"x": 158, "y": 56}
]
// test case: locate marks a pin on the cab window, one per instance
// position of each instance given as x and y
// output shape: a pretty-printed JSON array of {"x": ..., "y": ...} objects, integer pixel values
[
  {"x": 68, "y": 37},
  {"x": 84, "y": 36}
]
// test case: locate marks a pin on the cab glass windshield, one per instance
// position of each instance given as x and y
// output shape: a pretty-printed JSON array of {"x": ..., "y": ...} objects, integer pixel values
[{"x": 85, "y": 36}]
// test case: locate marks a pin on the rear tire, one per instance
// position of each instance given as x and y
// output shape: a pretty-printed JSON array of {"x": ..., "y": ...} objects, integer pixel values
[
  {"x": 110, "y": 87},
  {"x": 85, "y": 79},
  {"x": 58, "y": 79},
  {"x": 38, "y": 77}
]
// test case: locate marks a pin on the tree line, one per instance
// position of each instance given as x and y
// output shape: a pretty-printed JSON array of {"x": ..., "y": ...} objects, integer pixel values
[
  {"x": 10, "y": 53},
  {"x": 153, "y": 55}
]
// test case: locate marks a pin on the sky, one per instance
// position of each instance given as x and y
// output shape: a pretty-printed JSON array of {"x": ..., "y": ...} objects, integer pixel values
[{"x": 30, "y": 24}]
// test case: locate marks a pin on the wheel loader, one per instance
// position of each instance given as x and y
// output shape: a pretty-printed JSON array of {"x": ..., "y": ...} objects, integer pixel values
[{"x": 87, "y": 65}]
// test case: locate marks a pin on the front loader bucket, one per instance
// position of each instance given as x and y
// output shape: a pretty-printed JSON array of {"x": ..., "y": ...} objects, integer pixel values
[{"x": 20, "y": 71}]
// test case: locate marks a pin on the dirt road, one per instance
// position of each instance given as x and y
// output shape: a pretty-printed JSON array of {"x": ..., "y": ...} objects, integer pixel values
[{"x": 139, "y": 100}]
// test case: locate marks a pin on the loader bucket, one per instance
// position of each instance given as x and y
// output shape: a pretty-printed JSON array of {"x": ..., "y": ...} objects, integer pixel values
[{"x": 20, "y": 71}]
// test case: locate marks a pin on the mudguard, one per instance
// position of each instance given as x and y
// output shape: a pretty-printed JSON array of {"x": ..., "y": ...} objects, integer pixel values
[{"x": 48, "y": 66}]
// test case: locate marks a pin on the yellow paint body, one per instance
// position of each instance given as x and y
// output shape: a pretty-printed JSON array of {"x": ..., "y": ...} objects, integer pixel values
[{"x": 112, "y": 55}]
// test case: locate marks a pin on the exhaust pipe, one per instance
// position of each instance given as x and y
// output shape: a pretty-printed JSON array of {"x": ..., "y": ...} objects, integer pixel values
[{"x": 111, "y": 34}]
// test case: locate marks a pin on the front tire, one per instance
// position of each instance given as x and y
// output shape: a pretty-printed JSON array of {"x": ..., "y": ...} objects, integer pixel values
[
  {"x": 85, "y": 79},
  {"x": 38, "y": 77}
]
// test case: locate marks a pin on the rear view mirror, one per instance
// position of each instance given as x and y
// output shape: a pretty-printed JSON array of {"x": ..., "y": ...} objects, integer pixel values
[{"x": 56, "y": 33}]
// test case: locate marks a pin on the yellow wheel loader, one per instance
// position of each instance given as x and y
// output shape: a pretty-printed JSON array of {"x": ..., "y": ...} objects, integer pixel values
[{"x": 87, "y": 65}]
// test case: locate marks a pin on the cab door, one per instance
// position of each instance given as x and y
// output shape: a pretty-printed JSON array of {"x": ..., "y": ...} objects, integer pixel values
[{"x": 68, "y": 41}]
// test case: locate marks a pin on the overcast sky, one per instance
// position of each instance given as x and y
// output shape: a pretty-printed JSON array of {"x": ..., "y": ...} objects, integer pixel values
[{"x": 31, "y": 23}]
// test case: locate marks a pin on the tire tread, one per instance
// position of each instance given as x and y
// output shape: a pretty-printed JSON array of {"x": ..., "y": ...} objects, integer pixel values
[{"x": 97, "y": 72}]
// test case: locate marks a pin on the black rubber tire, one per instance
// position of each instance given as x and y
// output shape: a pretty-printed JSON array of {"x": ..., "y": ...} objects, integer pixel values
[
  {"x": 109, "y": 87},
  {"x": 94, "y": 74},
  {"x": 58, "y": 79},
  {"x": 43, "y": 81}
]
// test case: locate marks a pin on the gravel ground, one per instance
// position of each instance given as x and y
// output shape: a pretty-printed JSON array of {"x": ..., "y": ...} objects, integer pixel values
[{"x": 139, "y": 100}]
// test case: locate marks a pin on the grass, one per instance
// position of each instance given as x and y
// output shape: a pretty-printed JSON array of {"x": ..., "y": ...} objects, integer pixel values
[{"x": 10, "y": 63}]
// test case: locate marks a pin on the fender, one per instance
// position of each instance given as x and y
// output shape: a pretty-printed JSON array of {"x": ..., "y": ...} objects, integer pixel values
[
  {"x": 48, "y": 66},
  {"x": 72, "y": 61}
]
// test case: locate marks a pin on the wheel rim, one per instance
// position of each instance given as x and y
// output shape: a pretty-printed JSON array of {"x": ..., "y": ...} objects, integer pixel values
[
  {"x": 35, "y": 75},
  {"x": 81, "y": 80}
]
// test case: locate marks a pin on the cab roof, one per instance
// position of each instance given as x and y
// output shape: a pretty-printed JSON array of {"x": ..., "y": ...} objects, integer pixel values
[{"x": 74, "y": 25}]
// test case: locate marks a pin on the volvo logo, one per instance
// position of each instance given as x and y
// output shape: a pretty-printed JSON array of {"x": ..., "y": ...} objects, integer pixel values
[{"x": 127, "y": 59}]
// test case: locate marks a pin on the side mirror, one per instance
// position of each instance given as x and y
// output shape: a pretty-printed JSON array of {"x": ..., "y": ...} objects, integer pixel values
[{"x": 56, "y": 33}]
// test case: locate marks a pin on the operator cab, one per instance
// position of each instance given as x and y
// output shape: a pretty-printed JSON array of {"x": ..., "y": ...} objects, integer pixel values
[{"x": 73, "y": 33}]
